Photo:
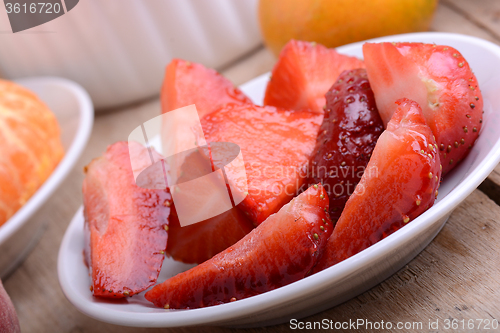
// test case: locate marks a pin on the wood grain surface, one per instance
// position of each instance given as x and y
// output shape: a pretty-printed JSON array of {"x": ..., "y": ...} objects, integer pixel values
[{"x": 455, "y": 277}]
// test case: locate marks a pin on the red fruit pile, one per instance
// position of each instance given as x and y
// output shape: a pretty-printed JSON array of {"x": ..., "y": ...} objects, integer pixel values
[{"x": 322, "y": 126}]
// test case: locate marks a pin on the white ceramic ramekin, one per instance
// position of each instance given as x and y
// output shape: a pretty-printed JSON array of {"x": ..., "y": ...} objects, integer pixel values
[{"x": 118, "y": 49}]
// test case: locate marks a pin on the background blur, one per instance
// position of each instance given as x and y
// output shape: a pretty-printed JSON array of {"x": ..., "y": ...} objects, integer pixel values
[{"x": 117, "y": 50}]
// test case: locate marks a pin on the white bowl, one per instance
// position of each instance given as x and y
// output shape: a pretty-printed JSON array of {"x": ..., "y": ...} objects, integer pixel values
[
  {"x": 335, "y": 284},
  {"x": 118, "y": 50},
  {"x": 74, "y": 112}
]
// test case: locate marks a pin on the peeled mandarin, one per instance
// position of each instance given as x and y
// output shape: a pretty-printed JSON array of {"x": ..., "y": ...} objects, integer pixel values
[{"x": 30, "y": 146}]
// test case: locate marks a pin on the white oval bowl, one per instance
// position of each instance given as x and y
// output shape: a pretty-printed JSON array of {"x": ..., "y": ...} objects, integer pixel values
[
  {"x": 73, "y": 109},
  {"x": 118, "y": 50},
  {"x": 335, "y": 284}
]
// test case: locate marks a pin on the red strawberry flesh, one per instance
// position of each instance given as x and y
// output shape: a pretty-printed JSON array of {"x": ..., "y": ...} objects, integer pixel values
[
  {"x": 125, "y": 224},
  {"x": 199, "y": 242},
  {"x": 280, "y": 251},
  {"x": 304, "y": 73},
  {"x": 276, "y": 146},
  {"x": 440, "y": 80},
  {"x": 346, "y": 138},
  {"x": 399, "y": 183},
  {"x": 189, "y": 83}
]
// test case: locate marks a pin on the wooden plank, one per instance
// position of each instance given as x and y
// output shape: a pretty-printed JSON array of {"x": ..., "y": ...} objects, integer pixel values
[
  {"x": 448, "y": 19},
  {"x": 484, "y": 14},
  {"x": 491, "y": 185}
]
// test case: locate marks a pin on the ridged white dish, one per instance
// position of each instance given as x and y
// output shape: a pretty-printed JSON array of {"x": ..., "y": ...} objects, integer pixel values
[
  {"x": 335, "y": 284},
  {"x": 118, "y": 50},
  {"x": 75, "y": 114}
]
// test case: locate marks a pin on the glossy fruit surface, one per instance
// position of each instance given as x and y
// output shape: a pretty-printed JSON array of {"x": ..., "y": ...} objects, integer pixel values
[
  {"x": 278, "y": 252},
  {"x": 400, "y": 183},
  {"x": 199, "y": 242},
  {"x": 346, "y": 139},
  {"x": 440, "y": 80},
  {"x": 276, "y": 146},
  {"x": 196, "y": 243},
  {"x": 304, "y": 73},
  {"x": 9, "y": 323},
  {"x": 125, "y": 224},
  {"x": 189, "y": 83}
]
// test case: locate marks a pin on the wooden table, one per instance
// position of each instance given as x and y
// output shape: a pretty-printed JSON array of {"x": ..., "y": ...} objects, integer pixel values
[{"x": 455, "y": 277}]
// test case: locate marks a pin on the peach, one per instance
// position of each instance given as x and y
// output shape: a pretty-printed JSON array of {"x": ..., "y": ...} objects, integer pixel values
[{"x": 8, "y": 317}]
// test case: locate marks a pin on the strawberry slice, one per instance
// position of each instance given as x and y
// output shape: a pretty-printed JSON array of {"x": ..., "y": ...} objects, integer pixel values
[
  {"x": 280, "y": 251},
  {"x": 440, "y": 80},
  {"x": 125, "y": 224},
  {"x": 399, "y": 183},
  {"x": 189, "y": 83},
  {"x": 196, "y": 243},
  {"x": 276, "y": 145},
  {"x": 199, "y": 242},
  {"x": 304, "y": 73},
  {"x": 346, "y": 139}
]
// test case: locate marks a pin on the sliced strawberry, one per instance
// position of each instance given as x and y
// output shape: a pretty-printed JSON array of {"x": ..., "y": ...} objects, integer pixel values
[
  {"x": 399, "y": 184},
  {"x": 440, "y": 80},
  {"x": 346, "y": 139},
  {"x": 196, "y": 243},
  {"x": 276, "y": 146},
  {"x": 125, "y": 224},
  {"x": 199, "y": 242},
  {"x": 280, "y": 251},
  {"x": 304, "y": 73},
  {"x": 189, "y": 83}
]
